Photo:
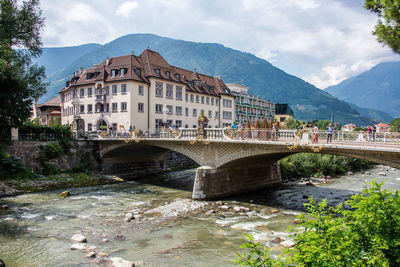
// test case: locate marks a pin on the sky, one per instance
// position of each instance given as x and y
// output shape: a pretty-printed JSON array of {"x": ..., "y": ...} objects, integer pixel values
[{"x": 321, "y": 41}]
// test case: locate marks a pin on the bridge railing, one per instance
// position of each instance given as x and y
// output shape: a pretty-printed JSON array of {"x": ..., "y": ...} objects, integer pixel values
[{"x": 249, "y": 134}]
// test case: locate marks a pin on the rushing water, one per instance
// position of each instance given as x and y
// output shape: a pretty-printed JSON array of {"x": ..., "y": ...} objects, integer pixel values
[{"x": 36, "y": 229}]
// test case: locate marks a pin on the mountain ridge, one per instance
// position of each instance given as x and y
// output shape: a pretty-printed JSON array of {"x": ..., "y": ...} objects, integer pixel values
[{"x": 213, "y": 59}]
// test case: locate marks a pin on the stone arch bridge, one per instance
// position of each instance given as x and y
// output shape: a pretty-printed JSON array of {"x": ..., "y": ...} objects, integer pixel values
[{"x": 235, "y": 162}]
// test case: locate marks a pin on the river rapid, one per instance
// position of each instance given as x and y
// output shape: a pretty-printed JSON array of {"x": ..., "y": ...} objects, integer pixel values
[{"x": 168, "y": 229}]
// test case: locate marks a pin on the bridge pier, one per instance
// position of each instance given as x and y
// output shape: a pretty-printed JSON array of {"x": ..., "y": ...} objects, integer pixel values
[{"x": 211, "y": 183}]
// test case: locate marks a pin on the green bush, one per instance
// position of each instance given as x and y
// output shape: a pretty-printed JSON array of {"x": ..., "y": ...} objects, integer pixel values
[
  {"x": 53, "y": 150},
  {"x": 366, "y": 234},
  {"x": 310, "y": 164}
]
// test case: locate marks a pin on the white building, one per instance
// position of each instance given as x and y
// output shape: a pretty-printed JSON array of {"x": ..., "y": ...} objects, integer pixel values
[
  {"x": 145, "y": 92},
  {"x": 249, "y": 108}
]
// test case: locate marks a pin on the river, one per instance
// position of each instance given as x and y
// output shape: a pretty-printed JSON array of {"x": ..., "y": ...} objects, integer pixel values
[{"x": 37, "y": 227}]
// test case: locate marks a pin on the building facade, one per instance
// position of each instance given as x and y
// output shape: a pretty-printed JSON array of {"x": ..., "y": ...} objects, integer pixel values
[
  {"x": 48, "y": 113},
  {"x": 283, "y": 112},
  {"x": 250, "y": 109},
  {"x": 144, "y": 92}
]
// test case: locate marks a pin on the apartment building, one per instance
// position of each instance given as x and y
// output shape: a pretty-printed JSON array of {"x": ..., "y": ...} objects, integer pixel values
[
  {"x": 143, "y": 92},
  {"x": 249, "y": 108}
]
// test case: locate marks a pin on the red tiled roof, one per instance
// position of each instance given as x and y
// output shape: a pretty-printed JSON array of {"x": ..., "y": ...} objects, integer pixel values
[
  {"x": 54, "y": 102},
  {"x": 147, "y": 63},
  {"x": 383, "y": 125}
]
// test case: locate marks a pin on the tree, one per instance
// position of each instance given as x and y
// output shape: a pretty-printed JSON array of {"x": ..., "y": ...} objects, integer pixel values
[
  {"x": 395, "y": 125},
  {"x": 21, "y": 81},
  {"x": 387, "y": 30},
  {"x": 291, "y": 123},
  {"x": 366, "y": 234}
]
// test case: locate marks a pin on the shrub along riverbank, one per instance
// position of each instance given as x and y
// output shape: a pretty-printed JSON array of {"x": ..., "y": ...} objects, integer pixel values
[{"x": 312, "y": 164}]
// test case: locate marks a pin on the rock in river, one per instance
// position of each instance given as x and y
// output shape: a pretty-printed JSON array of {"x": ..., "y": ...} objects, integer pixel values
[
  {"x": 118, "y": 262},
  {"x": 287, "y": 244},
  {"x": 64, "y": 194},
  {"x": 78, "y": 246},
  {"x": 78, "y": 238}
]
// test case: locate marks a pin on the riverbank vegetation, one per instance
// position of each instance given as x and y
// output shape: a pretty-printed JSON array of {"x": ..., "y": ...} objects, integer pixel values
[
  {"x": 313, "y": 164},
  {"x": 366, "y": 233}
]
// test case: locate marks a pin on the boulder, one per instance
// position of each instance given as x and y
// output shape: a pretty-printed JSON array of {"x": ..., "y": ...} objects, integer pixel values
[
  {"x": 224, "y": 207},
  {"x": 240, "y": 209},
  {"x": 78, "y": 238},
  {"x": 274, "y": 211},
  {"x": 278, "y": 239},
  {"x": 91, "y": 254},
  {"x": 128, "y": 217},
  {"x": 119, "y": 262},
  {"x": 382, "y": 174},
  {"x": 78, "y": 246},
  {"x": 367, "y": 173},
  {"x": 64, "y": 194},
  {"x": 287, "y": 244}
]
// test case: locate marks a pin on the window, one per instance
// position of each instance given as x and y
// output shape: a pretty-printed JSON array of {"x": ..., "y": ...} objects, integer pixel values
[
  {"x": 197, "y": 98},
  {"x": 194, "y": 112},
  {"x": 169, "y": 93},
  {"x": 140, "y": 107},
  {"x": 178, "y": 110},
  {"x": 89, "y": 92},
  {"x": 89, "y": 127},
  {"x": 217, "y": 102},
  {"x": 202, "y": 99},
  {"x": 210, "y": 114},
  {"x": 208, "y": 100},
  {"x": 178, "y": 92},
  {"x": 107, "y": 107},
  {"x": 227, "y": 103},
  {"x": 186, "y": 126},
  {"x": 114, "y": 89},
  {"x": 114, "y": 107},
  {"x": 73, "y": 93},
  {"x": 167, "y": 73},
  {"x": 114, "y": 73},
  {"x": 194, "y": 126},
  {"x": 123, "y": 88},
  {"x": 158, "y": 124},
  {"x": 170, "y": 109},
  {"x": 177, "y": 76},
  {"x": 89, "y": 76},
  {"x": 216, "y": 114},
  {"x": 186, "y": 97},
  {"x": 140, "y": 89},
  {"x": 159, "y": 108},
  {"x": 122, "y": 72},
  {"x": 212, "y": 101},
  {"x": 62, "y": 98},
  {"x": 82, "y": 92},
  {"x": 191, "y": 98},
  {"x": 123, "y": 106},
  {"x": 89, "y": 108},
  {"x": 186, "y": 111},
  {"x": 178, "y": 124},
  {"x": 82, "y": 109},
  {"x": 157, "y": 71},
  {"x": 107, "y": 90},
  {"x": 138, "y": 72},
  {"x": 227, "y": 115},
  {"x": 159, "y": 89}
]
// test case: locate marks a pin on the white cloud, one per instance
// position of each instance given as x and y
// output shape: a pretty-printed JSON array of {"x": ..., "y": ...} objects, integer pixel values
[
  {"x": 126, "y": 8},
  {"x": 322, "y": 43}
]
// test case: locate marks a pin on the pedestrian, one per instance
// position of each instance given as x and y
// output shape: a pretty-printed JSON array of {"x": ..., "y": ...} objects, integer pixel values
[
  {"x": 374, "y": 133},
  {"x": 369, "y": 133},
  {"x": 275, "y": 127},
  {"x": 315, "y": 133},
  {"x": 330, "y": 131}
]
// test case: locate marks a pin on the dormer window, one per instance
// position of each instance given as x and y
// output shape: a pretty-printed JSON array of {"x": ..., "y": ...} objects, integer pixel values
[
  {"x": 138, "y": 72},
  {"x": 177, "y": 76},
  {"x": 114, "y": 73},
  {"x": 122, "y": 72},
  {"x": 89, "y": 76},
  {"x": 157, "y": 72},
  {"x": 198, "y": 83},
  {"x": 96, "y": 74},
  {"x": 167, "y": 74}
]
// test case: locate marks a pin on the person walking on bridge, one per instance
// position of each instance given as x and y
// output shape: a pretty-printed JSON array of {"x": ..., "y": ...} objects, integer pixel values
[
  {"x": 330, "y": 131},
  {"x": 315, "y": 133}
]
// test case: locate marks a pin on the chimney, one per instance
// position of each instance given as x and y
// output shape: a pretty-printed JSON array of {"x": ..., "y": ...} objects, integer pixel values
[
  {"x": 218, "y": 77},
  {"x": 80, "y": 70},
  {"x": 107, "y": 61}
]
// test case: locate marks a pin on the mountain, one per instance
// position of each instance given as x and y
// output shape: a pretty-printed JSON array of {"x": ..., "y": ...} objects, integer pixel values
[
  {"x": 375, "y": 114},
  {"x": 57, "y": 58},
  {"x": 378, "y": 88},
  {"x": 263, "y": 79}
]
